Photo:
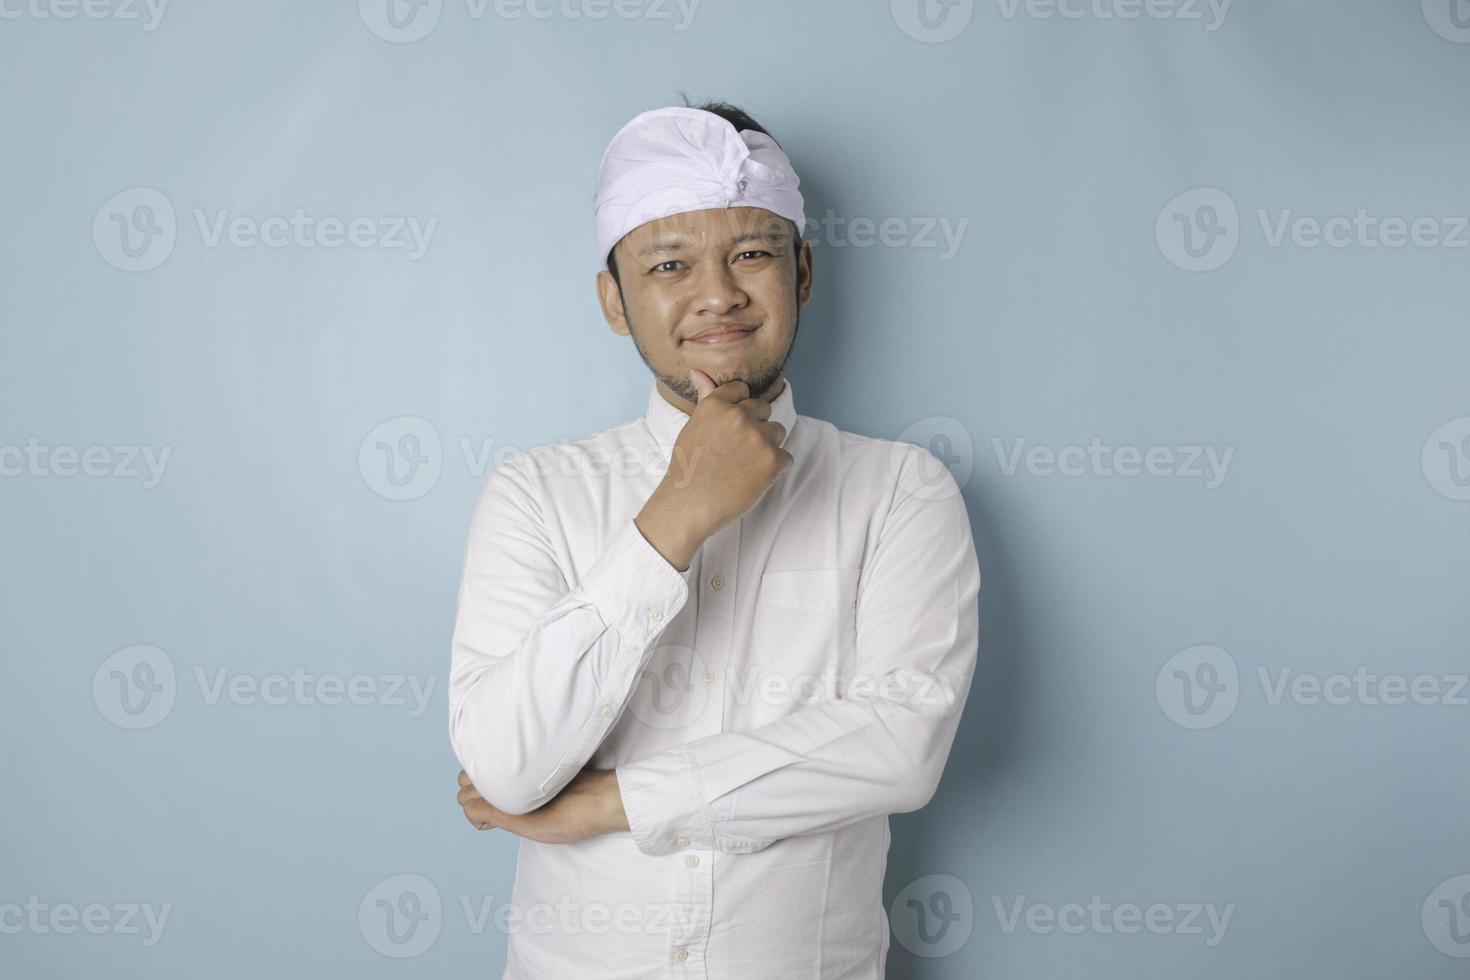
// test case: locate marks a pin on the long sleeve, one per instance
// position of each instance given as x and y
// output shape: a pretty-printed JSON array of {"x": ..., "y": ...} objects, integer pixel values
[
  {"x": 541, "y": 672},
  {"x": 839, "y": 761}
]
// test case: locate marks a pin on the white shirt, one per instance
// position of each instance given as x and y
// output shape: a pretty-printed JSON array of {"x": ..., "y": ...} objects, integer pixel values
[{"x": 765, "y": 709}]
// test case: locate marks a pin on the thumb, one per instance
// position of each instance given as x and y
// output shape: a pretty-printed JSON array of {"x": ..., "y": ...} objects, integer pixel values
[{"x": 703, "y": 384}]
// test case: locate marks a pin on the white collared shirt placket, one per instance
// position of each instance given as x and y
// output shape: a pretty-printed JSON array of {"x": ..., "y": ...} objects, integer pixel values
[{"x": 692, "y": 893}]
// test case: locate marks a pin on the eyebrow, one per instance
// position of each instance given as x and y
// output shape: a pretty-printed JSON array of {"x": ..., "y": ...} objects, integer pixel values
[{"x": 669, "y": 246}]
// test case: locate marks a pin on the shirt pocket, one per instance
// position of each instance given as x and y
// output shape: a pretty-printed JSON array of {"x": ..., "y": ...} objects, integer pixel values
[{"x": 802, "y": 640}]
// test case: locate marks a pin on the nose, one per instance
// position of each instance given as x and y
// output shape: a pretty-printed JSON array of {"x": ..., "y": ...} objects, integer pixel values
[{"x": 717, "y": 291}]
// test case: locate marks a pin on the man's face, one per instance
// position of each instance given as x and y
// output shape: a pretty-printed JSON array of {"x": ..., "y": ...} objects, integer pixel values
[{"x": 734, "y": 270}]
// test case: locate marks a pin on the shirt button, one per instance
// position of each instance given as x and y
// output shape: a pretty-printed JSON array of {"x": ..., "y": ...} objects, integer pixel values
[
  {"x": 709, "y": 675},
  {"x": 607, "y": 711},
  {"x": 717, "y": 582},
  {"x": 655, "y": 614},
  {"x": 682, "y": 954},
  {"x": 692, "y": 860},
  {"x": 682, "y": 842}
]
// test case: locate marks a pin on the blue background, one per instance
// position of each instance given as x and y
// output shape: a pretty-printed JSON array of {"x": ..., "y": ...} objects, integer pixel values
[{"x": 1336, "y": 376}]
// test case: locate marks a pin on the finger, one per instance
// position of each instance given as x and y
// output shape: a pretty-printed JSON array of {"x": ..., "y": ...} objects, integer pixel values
[
  {"x": 703, "y": 384},
  {"x": 774, "y": 433},
  {"x": 734, "y": 390},
  {"x": 756, "y": 408},
  {"x": 478, "y": 812},
  {"x": 480, "y": 821},
  {"x": 464, "y": 778},
  {"x": 467, "y": 795}
]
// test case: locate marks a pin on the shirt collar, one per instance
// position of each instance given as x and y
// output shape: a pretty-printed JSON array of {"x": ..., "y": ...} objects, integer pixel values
[{"x": 665, "y": 421}]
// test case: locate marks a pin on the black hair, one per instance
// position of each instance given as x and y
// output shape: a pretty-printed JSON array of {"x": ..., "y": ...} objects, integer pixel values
[{"x": 740, "y": 119}]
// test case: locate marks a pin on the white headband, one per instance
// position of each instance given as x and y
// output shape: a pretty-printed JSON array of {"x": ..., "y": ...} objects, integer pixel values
[{"x": 676, "y": 159}]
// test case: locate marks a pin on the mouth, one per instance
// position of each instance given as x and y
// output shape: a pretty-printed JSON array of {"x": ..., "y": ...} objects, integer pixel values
[{"x": 725, "y": 333}]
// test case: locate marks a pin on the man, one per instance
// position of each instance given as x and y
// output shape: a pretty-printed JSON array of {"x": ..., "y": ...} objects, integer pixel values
[{"x": 700, "y": 657}]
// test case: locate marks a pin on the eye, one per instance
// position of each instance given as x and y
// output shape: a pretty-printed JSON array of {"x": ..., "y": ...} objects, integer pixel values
[
  {"x": 661, "y": 265},
  {"x": 755, "y": 251}
]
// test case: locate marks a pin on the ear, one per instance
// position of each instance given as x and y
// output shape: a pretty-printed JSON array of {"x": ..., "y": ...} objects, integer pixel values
[
  {"x": 804, "y": 274},
  {"x": 610, "y": 298}
]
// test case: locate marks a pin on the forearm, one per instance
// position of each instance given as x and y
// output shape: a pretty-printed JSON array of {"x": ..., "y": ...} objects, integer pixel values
[
  {"x": 528, "y": 711},
  {"x": 818, "y": 769}
]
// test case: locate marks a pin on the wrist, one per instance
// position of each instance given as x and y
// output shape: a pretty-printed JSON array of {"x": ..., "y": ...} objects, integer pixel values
[
  {"x": 615, "y": 818},
  {"x": 669, "y": 530}
]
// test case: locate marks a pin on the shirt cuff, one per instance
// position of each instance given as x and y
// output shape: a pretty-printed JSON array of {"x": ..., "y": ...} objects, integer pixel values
[
  {"x": 634, "y": 588},
  {"x": 661, "y": 797}
]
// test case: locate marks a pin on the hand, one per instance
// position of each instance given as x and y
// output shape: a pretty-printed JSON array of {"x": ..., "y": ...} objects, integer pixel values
[
  {"x": 587, "y": 806},
  {"x": 725, "y": 459}
]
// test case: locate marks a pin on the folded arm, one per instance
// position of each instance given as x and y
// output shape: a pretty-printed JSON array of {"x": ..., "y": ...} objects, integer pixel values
[
  {"x": 832, "y": 764},
  {"x": 540, "y": 672}
]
